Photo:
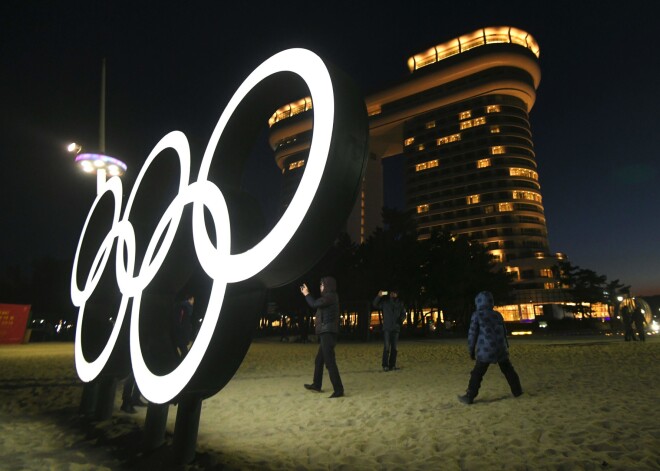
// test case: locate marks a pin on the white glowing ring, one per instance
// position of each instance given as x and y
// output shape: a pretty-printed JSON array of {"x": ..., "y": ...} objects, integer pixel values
[
  {"x": 160, "y": 389},
  {"x": 215, "y": 259},
  {"x": 313, "y": 71},
  {"x": 90, "y": 370},
  {"x": 150, "y": 265}
]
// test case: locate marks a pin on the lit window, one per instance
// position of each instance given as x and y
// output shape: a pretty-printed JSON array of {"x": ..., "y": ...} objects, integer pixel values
[
  {"x": 426, "y": 165},
  {"x": 483, "y": 163},
  {"x": 430, "y": 125},
  {"x": 374, "y": 111},
  {"x": 295, "y": 165},
  {"x": 473, "y": 122},
  {"x": 448, "y": 139},
  {"x": 504, "y": 207},
  {"x": 497, "y": 150},
  {"x": 527, "y": 195},
  {"x": 465, "y": 114},
  {"x": 545, "y": 272},
  {"x": 515, "y": 271},
  {"x": 523, "y": 172},
  {"x": 496, "y": 256},
  {"x": 420, "y": 147},
  {"x": 422, "y": 208},
  {"x": 473, "y": 199},
  {"x": 408, "y": 141},
  {"x": 493, "y": 109},
  {"x": 489, "y": 209},
  {"x": 548, "y": 286},
  {"x": 495, "y": 130}
]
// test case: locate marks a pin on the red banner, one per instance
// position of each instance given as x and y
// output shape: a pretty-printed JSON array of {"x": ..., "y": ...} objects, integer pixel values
[{"x": 13, "y": 322}]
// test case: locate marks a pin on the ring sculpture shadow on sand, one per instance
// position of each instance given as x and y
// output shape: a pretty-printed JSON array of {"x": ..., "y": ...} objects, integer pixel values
[{"x": 158, "y": 240}]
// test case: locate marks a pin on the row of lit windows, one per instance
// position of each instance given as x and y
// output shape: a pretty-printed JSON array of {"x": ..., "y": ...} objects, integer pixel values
[
  {"x": 501, "y": 207},
  {"x": 447, "y": 139},
  {"x": 527, "y": 195},
  {"x": 426, "y": 165},
  {"x": 295, "y": 165},
  {"x": 466, "y": 115},
  {"x": 291, "y": 109},
  {"x": 523, "y": 172},
  {"x": 531, "y": 274},
  {"x": 483, "y": 163},
  {"x": 513, "y": 240},
  {"x": 453, "y": 187},
  {"x": 489, "y": 109},
  {"x": 467, "y": 123},
  {"x": 472, "y": 122},
  {"x": 466, "y": 221}
]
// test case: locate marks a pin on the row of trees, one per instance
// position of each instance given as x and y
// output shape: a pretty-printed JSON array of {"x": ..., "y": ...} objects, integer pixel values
[
  {"x": 443, "y": 272},
  {"x": 585, "y": 288}
]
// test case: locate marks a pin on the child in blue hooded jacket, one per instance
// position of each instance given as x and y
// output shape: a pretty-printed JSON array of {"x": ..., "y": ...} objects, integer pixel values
[{"x": 487, "y": 344}]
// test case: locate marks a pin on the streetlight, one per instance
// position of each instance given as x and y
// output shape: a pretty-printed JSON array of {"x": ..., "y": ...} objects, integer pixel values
[
  {"x": 99, "y": 163},
  {"x": 74, "y": 147}
]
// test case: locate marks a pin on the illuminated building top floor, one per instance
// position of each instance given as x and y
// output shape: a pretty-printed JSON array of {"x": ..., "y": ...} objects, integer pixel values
[{"x": 481, "y": 37}]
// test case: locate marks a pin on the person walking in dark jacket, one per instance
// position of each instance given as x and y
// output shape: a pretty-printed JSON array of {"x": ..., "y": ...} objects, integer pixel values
[
  {"x": 627, "y": 319},
  {"x": 487, "y": 344},
  {"x": 640, "y": 323},
  {"x": 326, "y": 322},
  {"x": 393, "y": 315}
]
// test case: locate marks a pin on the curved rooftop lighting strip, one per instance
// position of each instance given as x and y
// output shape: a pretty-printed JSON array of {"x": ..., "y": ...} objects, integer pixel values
[
  {"x": 480, "y": 37},
  {"x": 291, "y": 109}
]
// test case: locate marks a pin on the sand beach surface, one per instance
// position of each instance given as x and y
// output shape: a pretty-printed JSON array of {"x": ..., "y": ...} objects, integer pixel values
[{"x": 589, "y": 403}]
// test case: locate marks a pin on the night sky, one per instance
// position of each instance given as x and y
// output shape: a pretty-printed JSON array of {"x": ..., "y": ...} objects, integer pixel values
[{"x": 174, "y": 66}]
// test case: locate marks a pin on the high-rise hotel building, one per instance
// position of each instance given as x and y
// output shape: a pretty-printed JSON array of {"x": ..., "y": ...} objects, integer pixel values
[{"x": 461, "y": 122}]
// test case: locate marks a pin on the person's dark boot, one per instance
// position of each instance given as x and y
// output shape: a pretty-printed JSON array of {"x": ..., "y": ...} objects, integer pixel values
[
  {"x": 313, "y": 387},
  {"x": 466, "y": 398}
]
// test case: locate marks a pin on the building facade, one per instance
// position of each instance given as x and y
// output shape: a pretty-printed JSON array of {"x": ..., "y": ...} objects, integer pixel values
[{"x": 461, "y": 122}]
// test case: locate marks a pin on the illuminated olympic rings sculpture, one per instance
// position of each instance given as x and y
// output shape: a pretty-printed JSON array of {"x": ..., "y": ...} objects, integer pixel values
[{"x": 221, "y": 266}]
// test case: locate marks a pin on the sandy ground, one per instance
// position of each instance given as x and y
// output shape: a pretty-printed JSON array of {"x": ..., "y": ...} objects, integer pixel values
[{"x": 589, "y": 403}]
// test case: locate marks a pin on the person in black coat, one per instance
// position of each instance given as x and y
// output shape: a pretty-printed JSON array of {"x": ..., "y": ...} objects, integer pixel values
[
  {"x": 326, "y": 322},
  {"x": 393, "y": 315},
  {"x": 487, "y": 344},
  {"x": 640, "y": 323}
]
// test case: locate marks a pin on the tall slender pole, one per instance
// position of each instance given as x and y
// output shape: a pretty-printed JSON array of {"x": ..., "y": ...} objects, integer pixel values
[
  {"x": 102, "y": 111},
  {"x": 100, "y": 173}
]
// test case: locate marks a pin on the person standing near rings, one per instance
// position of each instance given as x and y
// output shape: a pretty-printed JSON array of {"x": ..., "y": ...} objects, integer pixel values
[
  {"x": 393, "y": 316},
  {"x": 326, "y": 322}
]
